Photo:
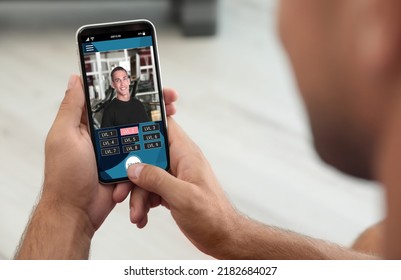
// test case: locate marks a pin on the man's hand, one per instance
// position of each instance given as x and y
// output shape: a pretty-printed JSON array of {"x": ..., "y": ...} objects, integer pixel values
[
  {"x": 73, "y": 204},
  {"x": 203, "y": 213},
  {"x": 192, "y": 193},
  {"x": 70, "y": 167}
]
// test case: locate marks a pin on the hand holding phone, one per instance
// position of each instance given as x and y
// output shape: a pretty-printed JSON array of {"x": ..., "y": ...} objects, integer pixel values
[{"x": 124, "y": 98}]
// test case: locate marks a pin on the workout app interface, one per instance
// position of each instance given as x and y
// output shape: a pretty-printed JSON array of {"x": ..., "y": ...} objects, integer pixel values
[{"x": 127, "y": 115}]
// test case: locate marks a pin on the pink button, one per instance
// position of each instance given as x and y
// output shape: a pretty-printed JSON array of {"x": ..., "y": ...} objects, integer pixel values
[{"x": 129, "y": 130}]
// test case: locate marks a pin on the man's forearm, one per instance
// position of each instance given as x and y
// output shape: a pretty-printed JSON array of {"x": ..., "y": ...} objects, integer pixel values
[
  {"x": 254, "y": 240},
  {"x": 56, "y": 233}
]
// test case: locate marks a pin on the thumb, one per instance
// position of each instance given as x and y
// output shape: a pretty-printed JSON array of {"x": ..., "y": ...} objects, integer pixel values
[
  {"x": 157, "y": 180},
  {"x": 72, "y": 106}
]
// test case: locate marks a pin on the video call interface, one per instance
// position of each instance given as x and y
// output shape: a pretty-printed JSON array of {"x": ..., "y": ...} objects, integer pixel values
[{"x": 126, "y": 112}]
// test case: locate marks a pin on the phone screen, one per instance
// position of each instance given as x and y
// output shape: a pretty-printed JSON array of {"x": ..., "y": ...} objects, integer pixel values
[{"x": 121, "y": 76}]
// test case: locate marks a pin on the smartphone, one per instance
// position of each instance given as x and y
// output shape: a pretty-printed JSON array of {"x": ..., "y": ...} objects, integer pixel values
[{"x": 124, "y": 96}]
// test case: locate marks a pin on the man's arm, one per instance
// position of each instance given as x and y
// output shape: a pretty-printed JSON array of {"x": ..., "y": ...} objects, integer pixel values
[
  {"x": 55, "y": 232},
  {"x": 200, "y": 207},
  {"x": 254, "y": 240}
]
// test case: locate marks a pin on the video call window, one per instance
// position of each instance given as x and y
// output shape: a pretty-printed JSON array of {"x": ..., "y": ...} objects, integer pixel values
[{"x": 140, "y": 80}]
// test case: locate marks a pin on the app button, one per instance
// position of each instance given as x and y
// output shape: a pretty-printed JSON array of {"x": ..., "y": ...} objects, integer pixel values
[{"x": 131, "y": 160}]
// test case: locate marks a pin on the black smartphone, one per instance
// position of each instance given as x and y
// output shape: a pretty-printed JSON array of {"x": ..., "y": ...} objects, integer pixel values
[{"x": 124, "y": 96}]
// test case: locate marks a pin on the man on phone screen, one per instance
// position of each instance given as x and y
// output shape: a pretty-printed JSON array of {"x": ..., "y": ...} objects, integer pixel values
[{"x": 124, "y": 108}]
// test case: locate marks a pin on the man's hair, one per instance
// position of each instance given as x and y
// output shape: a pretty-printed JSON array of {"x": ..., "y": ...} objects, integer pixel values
[{"x": 118, "y": 68}]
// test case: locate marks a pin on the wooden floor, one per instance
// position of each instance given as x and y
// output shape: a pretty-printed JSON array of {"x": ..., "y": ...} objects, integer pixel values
[{"x": 237, "y": 100}]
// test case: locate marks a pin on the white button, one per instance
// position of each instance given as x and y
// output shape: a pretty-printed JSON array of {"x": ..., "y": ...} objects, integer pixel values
[{"x": 131, "y": 160}]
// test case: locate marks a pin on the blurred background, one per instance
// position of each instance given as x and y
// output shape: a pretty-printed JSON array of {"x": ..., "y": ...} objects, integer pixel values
[{"x": 238, "y": 101}]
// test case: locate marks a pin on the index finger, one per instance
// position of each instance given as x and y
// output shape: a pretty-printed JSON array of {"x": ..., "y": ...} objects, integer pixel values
[{"x": 72, "y": 106}]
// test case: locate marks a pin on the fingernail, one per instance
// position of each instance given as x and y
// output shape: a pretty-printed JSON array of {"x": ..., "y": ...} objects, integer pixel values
[
  {"x": 134, "y": 171},
  {"x": 72, "y": 81}
]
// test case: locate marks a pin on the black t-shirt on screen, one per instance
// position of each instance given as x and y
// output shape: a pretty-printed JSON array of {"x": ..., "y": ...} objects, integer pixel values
[{"x": 119, "y": 112}]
